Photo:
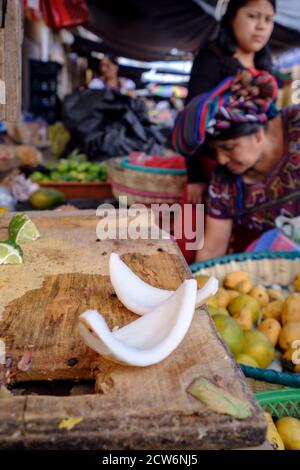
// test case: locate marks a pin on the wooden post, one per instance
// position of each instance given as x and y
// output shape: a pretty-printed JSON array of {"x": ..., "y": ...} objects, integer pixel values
[{"x": 10, "y": 63}]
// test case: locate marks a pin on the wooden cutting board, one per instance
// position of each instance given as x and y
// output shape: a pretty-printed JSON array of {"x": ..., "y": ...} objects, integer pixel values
[{"x": 66, "y": 272}]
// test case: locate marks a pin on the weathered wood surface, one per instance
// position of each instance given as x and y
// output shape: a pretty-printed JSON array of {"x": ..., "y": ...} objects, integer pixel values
[
  {"x": 10, "y": 63},
  {"x": 65, "y": 272}
]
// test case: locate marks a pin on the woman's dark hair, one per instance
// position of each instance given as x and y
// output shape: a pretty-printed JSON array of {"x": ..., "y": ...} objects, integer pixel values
[
  {"x": 227, "y": 41},
  {"x": 112, "y": 58},
  {"x": 236, "y": 130}
]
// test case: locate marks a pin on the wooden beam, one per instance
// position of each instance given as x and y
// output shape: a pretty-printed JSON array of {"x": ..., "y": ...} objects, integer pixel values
[{"x": 10, "y": 63}]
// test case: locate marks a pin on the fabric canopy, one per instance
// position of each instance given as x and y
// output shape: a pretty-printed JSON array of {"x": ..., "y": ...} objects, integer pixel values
[{"x": 151, "y": 29}]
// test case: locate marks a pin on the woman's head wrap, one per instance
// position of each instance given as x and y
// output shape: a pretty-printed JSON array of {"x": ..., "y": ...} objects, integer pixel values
[{"x": 248, "y": 97}]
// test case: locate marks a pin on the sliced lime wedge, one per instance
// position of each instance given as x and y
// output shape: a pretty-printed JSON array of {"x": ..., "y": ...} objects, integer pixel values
[
  {"x": 22, "y": 230},
  {"x": 10, "y": 253}
]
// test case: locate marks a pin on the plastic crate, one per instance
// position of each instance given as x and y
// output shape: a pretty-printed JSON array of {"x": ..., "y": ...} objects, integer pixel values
[{"x": 281, "y": 403}]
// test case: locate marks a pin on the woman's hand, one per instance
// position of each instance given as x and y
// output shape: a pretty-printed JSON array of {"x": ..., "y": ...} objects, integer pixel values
[
  {"x": 216, "y": 238},
  {"x": 195, "y": 192}
]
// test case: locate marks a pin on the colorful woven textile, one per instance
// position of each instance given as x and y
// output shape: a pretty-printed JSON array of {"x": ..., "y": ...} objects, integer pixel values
[
  {"x": 248, "y": 97},
  {"x": 273, "y": 240}
]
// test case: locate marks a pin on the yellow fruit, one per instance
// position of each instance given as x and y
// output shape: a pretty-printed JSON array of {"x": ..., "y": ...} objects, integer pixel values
[
  {"x": 223, "y": 297},
  {"x": 3, "y": 211},
  {"x": 291, "y": 309},
  {"x": 201, "y": 280},
  {"x": 244, "y": 287},
  {"x": 46, "y": 198},
  {"x": 230, "y": 332},
  {"x": 275, "y": 294},
  {"x": 231, "y": 280},
  {"x": 217, "y": 311},
  {"x": 273, "y": 436},
  {"x": 260, "y": 295},
  {"x": 242, "y": 302},
  {"x": 273, "y": 310},
  {"x": 212, "y": 302},
  {"x": 223, "y": 311},
  {"x": 288, "y": 335},
  {"x": 289, "y": 431},
  {"x": 271, "y": 328},
  {"x": 259, "y": 347},
  {"x": 245, "y": 319},
  {"x": 245, "y": 360},
  {"x": 212, "y": 310},
  {"x": 233, "y": 293},
  {"x": 297, "y": 283},
  {"x": 291, "y": 360}
]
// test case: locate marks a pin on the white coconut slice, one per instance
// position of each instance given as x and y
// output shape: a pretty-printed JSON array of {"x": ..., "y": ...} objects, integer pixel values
[
  {"x": 149, "y": 339},
  {"x": 140, "y": 297}
]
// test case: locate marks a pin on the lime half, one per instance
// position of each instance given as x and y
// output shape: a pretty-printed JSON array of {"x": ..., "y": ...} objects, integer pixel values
[
  {"x": 22, "y": 230},
  {"x": 10, "y": 253}
]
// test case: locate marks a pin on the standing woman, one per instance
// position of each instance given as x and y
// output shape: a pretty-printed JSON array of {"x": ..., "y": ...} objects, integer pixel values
[{"x": 243, "y": 42}]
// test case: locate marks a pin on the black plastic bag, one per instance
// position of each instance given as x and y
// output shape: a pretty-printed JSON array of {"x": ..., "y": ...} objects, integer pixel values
[{"x": 107, "y": 124}]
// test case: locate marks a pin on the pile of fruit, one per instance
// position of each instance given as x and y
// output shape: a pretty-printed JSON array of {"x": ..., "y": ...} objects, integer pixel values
[
  {"x": 257, "y": 324},
  {"x": 73, "y": 168}
]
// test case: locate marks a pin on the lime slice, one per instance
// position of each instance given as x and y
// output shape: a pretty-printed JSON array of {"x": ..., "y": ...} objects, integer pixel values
[
  {"x": 10, "y": 253},
  {"x": 22, "y": 230}
]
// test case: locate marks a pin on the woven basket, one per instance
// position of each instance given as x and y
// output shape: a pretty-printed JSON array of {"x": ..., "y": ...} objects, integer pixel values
[
  {"x": 264, "y": 269},
  {"x": 144, "y": 184}
]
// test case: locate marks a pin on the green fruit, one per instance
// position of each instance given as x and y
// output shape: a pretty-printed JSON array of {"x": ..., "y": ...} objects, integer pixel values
[
  {"x": 212, "y": 302},
  {"x": 62, "y": 166},
  {"x": 81, "y": 176},
  {"x": 231, "y": 332},
  {"x": 46, "y": 198},
  {"x": 259, "y": 347},
  {"x": 246, "y": 302},
  {"x": 246, "y": 360},
  {"x": 84, "y": 166},
  {"x": 50, "y": 166},
  {"x": 217, "y": 311},
  {"x": 223, "y": 311},
  {"x": 22, "y": 230},
  {"x": 10, "y": 253},
  {"x": 212, "y": 311},
  {"x": 76, "y": 157},
  {"x": 37, "y": 176}
]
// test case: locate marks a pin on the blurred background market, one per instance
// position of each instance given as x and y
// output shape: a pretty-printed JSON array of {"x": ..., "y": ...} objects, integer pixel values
[{"x": 101, "y": 86}]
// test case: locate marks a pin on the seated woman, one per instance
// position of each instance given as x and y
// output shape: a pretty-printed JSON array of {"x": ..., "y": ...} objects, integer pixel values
[
  {"x": 109, "y": 78},
  {"x": 257, "y": 149}
]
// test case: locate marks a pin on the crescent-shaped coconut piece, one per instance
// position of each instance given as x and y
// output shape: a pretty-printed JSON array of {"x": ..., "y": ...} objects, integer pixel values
[
  {"x": 147, "y": 340},
  {"x": 140, "y": 297}
]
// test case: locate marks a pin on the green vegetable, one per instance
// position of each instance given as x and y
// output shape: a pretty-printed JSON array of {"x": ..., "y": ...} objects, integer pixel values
[
  {"x": 73, "y": 168},
  {"x": 36, "y": 176},
  {"x": 219, "y": 400}
]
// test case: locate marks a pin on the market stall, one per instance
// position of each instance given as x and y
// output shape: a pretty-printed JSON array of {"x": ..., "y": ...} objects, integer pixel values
[{"x": 108, "y": 340}]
